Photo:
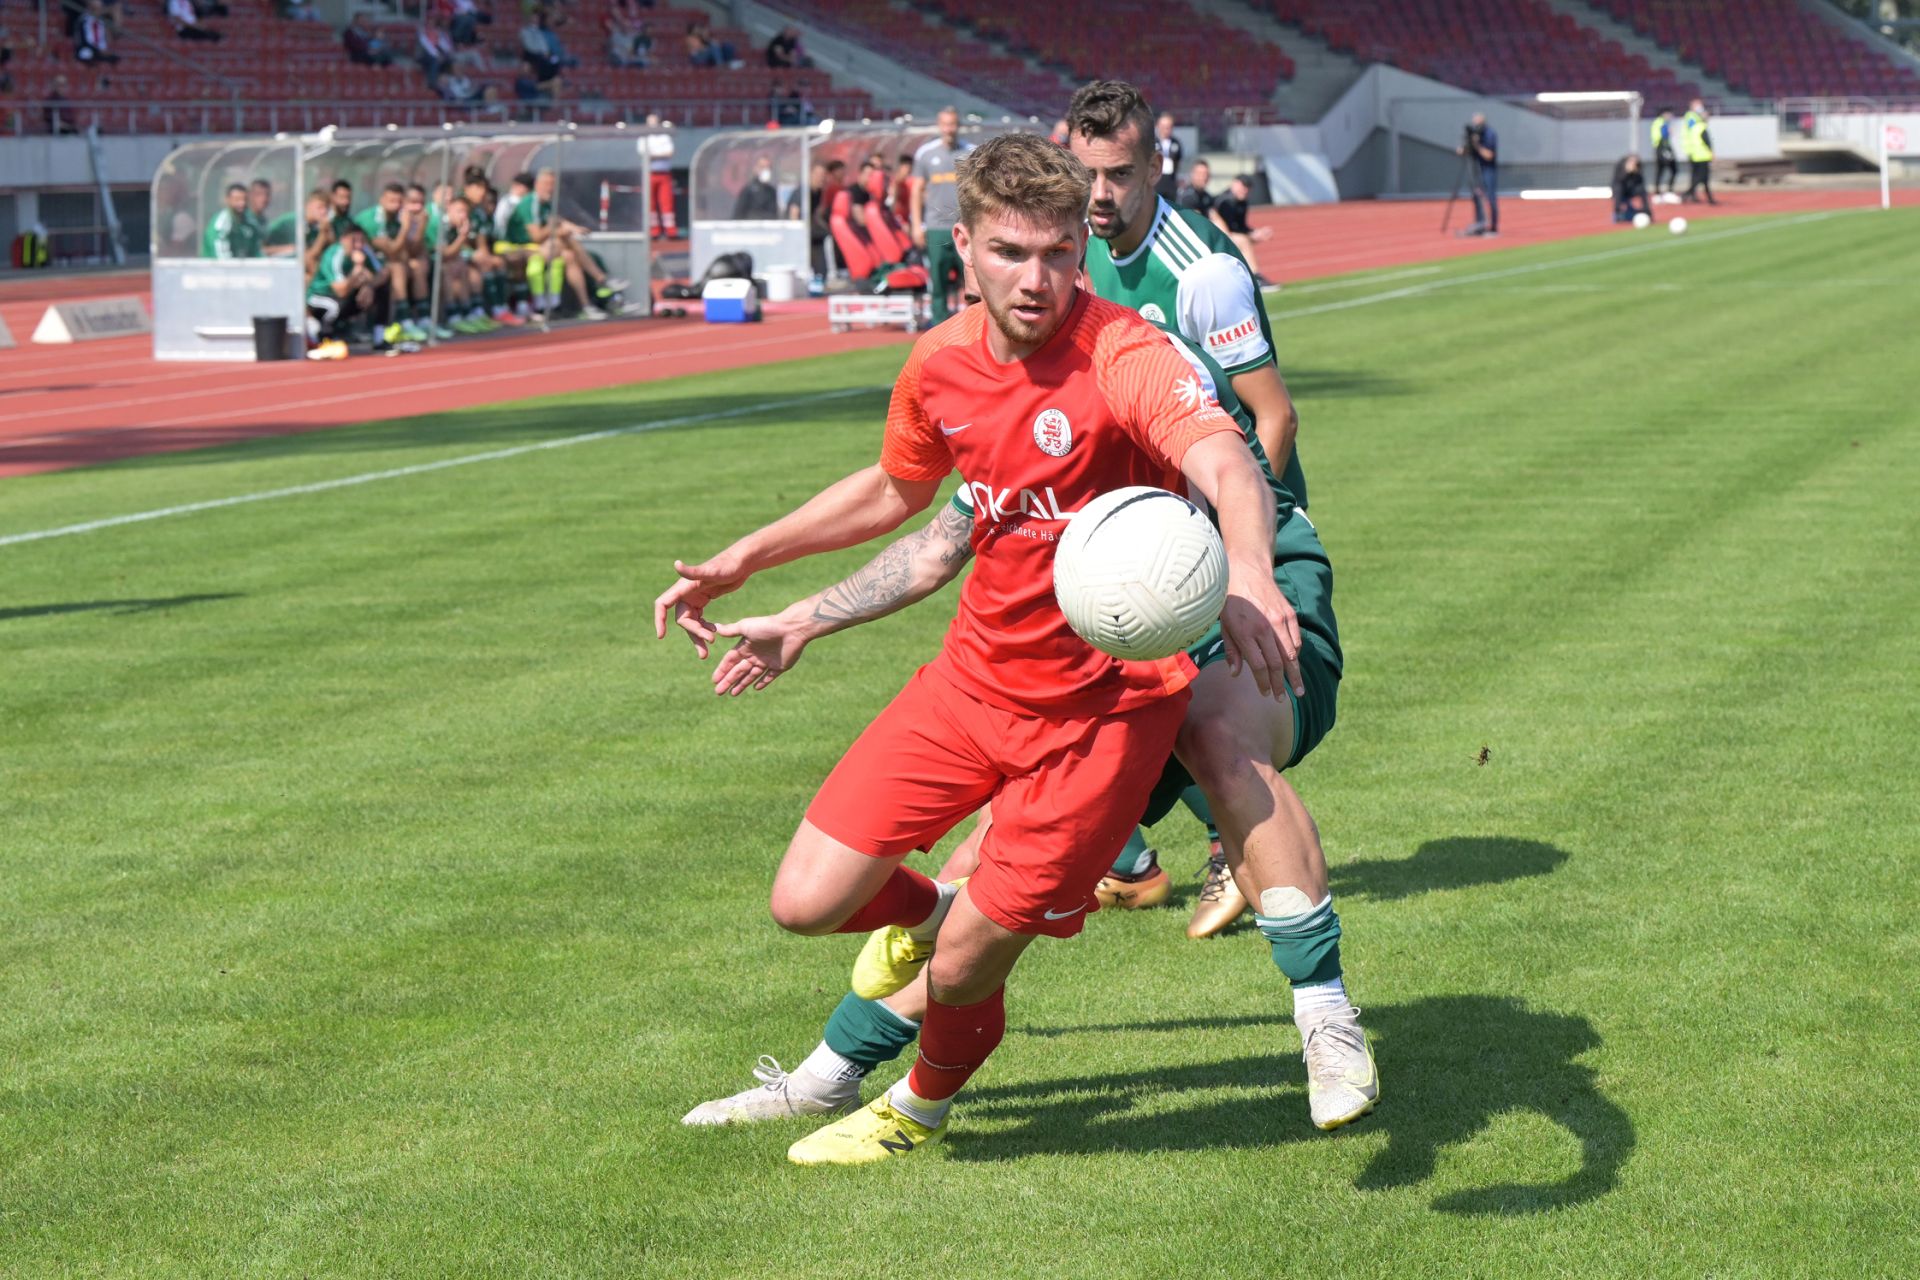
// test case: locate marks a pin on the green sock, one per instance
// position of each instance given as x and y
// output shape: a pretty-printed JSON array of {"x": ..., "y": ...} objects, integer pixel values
[
  {"x": 1196, "y": 800},
  {"x": 1136, "y": 858},
  {"x": 867, "y": 1032},
  {"x": 1306, "y": 946}
]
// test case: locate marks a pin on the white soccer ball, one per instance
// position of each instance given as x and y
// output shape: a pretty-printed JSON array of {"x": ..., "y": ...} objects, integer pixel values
[
  {"x": 1641, "y": 222},
  {"x": 1678, "y": 226},
  {"x": 1141, "y": 573}
]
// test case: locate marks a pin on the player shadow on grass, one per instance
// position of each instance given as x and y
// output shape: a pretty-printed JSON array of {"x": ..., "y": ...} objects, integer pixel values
[
  {"x": 118, "y": 608},
  {"x": 1328, "y": 384},
  {"x": 1449, "y": 1066},
  {"x": 1457, "y": 862}
]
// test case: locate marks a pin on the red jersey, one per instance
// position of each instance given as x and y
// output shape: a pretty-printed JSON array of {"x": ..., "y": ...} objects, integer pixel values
[{"x": 1099, "y": 407}]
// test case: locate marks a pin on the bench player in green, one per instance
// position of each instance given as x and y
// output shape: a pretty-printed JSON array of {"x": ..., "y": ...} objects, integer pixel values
[
  {"x": 876, "y": 1021},
  {"x": 232, "y": 233}
]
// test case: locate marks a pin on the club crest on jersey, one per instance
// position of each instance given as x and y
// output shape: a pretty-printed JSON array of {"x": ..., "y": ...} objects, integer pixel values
[
  {"x": 1153, "y": 312},
  {"x": 1053, "y": 433}
]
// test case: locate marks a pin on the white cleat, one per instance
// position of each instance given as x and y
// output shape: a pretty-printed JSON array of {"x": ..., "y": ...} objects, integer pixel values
[
  {"x": 778, "y": 1096},
  {"x": 1342, "y": 1082}
]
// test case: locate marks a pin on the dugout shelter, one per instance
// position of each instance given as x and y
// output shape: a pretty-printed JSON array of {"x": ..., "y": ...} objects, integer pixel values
[
  {"x": 726, "y": 162},
  {"x": 204, "y": 307}
]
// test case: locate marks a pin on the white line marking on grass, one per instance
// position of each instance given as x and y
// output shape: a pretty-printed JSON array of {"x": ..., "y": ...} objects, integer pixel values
[
  {"x": 491, "y": 455},
  {"x": 1670, "y": 242}
]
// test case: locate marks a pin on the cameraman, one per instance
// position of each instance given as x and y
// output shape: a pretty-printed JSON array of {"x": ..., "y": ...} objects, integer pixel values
[{"x": 1482, "y": 146}]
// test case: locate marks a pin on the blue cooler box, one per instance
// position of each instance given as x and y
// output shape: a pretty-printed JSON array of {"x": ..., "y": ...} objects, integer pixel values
[{"x": 730, "y": 301}]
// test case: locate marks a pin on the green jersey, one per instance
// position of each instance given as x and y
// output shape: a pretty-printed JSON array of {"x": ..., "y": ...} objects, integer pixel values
[
  {"x": 280, "y": 231},
  {"x": 333, "y": 267},
  {"x": 230, "y": 235},
  {"x": 378, "y": 223},
  {"x": 1188, "y": 275},
  {"x": 528, "y": 211}
]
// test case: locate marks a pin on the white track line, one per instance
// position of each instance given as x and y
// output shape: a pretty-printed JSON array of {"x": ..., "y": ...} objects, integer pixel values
[
  {"x": 1433, "y": 286},
  {"x": 492, "y": 455}
]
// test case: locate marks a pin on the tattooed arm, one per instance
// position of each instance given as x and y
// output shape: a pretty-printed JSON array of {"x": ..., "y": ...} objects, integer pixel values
[{"x": 907, "y": 570}]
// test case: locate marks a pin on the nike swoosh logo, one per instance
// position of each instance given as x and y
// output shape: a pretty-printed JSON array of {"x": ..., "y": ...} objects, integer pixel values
[
  {"x": 946, "y": 430},
  {"x": 1062, "y": 915}
]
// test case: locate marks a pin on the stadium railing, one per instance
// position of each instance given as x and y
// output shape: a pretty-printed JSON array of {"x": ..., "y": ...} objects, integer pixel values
[{"x": 241, "y": 115}]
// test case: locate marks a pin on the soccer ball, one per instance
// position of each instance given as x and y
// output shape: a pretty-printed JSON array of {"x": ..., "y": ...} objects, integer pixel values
[
  {"x": 1641, "y": 222},
  {"x": 1678, "y": 226},
  {"x": 1140, "y": 573}
]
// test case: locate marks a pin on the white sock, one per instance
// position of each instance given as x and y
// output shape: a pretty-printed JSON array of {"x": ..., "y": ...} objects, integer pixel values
[
  {"x": 927, "y": 930},
  {"x": 1320, "y": 999},
  {"x": 824, "y": 1063},
  {"x": 914, "y": 1107}
]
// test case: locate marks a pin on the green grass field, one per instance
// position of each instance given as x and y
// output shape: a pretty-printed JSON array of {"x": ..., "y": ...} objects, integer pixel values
[{"x": 376, "y": 893}]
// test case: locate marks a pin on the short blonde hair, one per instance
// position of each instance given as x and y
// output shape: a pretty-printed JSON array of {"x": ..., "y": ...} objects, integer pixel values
[{"x": 1026, "y": 175}]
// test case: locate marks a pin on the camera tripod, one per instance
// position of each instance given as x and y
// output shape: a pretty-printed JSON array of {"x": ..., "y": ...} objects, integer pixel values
[{"x": 1461, "y": 180}]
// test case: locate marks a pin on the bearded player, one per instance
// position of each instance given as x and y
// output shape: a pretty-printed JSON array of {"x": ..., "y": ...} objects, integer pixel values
[
  {"x": 1054, "y": 396},
  {"x": 864, "y": 1032}
]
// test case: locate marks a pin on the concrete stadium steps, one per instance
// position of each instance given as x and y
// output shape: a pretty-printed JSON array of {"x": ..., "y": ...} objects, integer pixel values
[
  {"x": 1320, "y": 75},
  {"x": 1488, "y": 46},
  {"x": 1770, "y": 48},
  {"x": 1724, "y": 96}
]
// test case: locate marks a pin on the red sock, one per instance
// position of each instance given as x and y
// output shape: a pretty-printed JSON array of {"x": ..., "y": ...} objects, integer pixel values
[
  {"x": 954, "y": 1043},
  {"x": 906, "y": 899}
]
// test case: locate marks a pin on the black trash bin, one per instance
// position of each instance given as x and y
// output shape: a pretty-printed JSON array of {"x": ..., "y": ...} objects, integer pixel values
[{"x": 270, "y": 337}]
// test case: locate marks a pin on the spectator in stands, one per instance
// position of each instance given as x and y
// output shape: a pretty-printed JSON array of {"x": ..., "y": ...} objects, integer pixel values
[
  {"x": 1230, "y": 215},
  {"x": 59, "y": 119},
  {"x": 433, "y": 52},
  {"x": 1060, "y": 133},
  {"x": 6, "y": 61},
  {"x": 1169, "y": 150},
  {"x": 91, "y": 37},
  {"x": 624, "y": 34},
  {"x": 364, "y": 46},
  {"x": 1193, "y": 193},
  {"x": 757, "y": 201},
  {"x": 783, "y": 51},
  {"x": 465, "y": 18},
  {"x": 1698, "y": 144},
  {"x": 1665, "y": 168},
  {"x": 1481, "y": 146},
  {"x": 704, "y": 49},
  {"x": 541, "y": 49},
  {"x": 186, "y": 22},
  {"x": 1629, "y": 187},
  {"x": 231, "y": 234}
]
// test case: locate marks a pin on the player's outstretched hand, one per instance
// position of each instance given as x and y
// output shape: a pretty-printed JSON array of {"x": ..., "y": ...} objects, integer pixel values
[
  {"x": 686, "y": 600},
  {"x": 766, "y": 648},
  {"x": 1263, "y": 635}
]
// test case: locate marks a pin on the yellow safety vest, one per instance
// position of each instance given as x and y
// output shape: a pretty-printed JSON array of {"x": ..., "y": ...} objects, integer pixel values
[
  {"x": 1693, "y": 137},
  {"x": 1662, "y": 133}
]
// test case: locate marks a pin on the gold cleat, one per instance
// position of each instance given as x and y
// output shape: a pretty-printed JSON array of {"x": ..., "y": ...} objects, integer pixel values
[
  {"x": 1134, "y": 893},
  {"x": 892, "y": 958},
  {"x": 1220, "y": 902}
]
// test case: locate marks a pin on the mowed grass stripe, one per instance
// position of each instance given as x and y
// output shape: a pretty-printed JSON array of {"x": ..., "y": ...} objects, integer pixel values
[{"x": 380, "y": 894}]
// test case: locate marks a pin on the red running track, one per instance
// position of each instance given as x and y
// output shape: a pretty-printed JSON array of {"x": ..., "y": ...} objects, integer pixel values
[{"x": 71, "y": 406}]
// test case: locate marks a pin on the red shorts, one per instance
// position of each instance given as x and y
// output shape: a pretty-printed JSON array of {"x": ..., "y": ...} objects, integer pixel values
[{"x": 1066, "y": 794}]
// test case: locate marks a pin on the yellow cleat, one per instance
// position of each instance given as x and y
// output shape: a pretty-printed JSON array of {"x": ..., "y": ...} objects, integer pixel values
[
  {"x": 892, "y": 958},
  {"x": 873, "y": 1133},
  {"x": 1134, "y": 893}
]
